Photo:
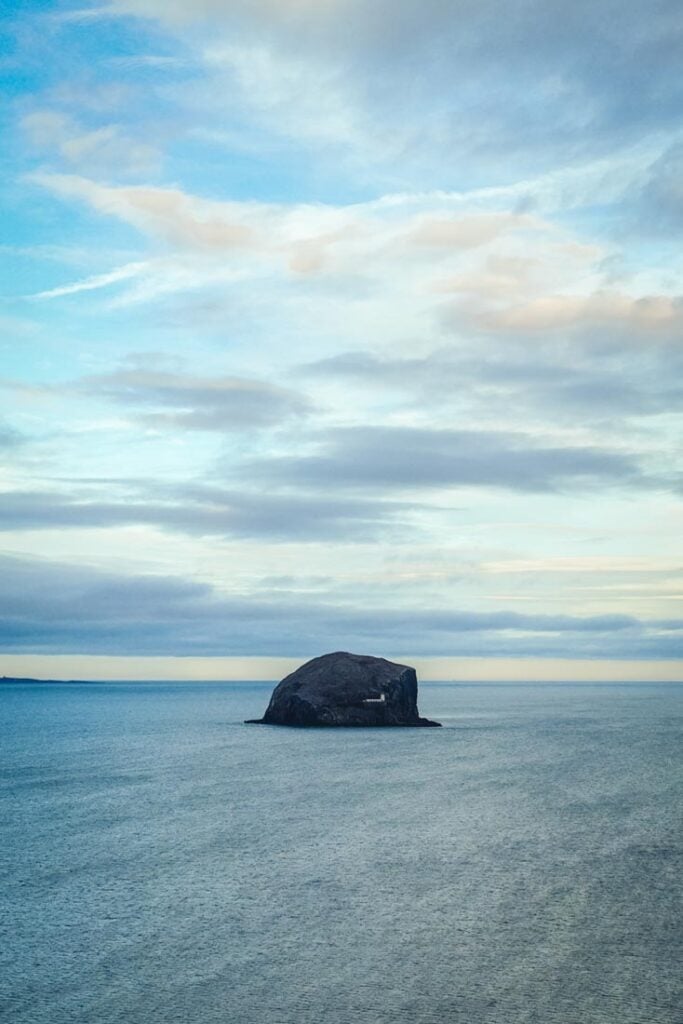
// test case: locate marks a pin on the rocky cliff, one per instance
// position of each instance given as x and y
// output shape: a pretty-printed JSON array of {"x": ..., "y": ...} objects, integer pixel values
[{"x": 346, "y": 690}]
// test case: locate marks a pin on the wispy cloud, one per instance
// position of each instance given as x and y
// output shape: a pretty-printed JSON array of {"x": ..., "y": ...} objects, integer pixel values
[
  {"x": 102, "y": 149},
  {"x": 170, "y": 214},
  {"x": 94, "y": 282},
  {"x": 539, "y": 87}
]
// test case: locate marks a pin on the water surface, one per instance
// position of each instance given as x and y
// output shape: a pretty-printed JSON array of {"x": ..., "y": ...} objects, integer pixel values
[{"x": 163, "y": 863}]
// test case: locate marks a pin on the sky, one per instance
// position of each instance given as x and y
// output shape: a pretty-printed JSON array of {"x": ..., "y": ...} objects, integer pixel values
[{"x": 341, "y": 325}]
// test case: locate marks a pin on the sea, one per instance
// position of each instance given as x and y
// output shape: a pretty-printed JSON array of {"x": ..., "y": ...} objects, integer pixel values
[{"x": 161, "y": 862}]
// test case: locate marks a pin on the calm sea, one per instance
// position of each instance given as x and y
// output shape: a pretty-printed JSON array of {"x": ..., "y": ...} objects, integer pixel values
[{"x": 162, "y": 863}]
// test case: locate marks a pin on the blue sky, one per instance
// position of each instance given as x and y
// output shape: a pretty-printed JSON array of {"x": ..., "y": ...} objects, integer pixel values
[{"x": 337, "y": 325}]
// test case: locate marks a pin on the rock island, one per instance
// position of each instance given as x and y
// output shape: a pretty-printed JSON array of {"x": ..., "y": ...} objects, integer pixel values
[{"x": 346, "y": 690}]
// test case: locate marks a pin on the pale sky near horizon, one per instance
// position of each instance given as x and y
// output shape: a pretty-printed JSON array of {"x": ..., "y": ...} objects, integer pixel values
[{"x": 342, "y": 325}]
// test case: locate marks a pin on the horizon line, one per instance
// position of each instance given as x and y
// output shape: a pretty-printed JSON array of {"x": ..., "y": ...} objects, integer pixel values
[{"x": 259, "y": 668}]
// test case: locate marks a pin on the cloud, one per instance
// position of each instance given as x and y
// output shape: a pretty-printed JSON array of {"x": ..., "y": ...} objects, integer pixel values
[
  {"x": 556, "y": 382},
  {"x": 151, "y": 61},
  {"x": 655, "y": 205},
  {"x": 306, "y": 100},
  {"x": 441, "y": 89},
  {"x": 61, "y": 608},
  {"x": 212, "y": 243},
  {"x": 471, "y": 231},
  {"x": 378, "y": 458},
  {"x": 205, "y": 511},
  {"x": 9, "y": 437},
  {"x": 647, "y": 313},
  {"x": 185, "y": 401},
  {"x": 95, "y": 281},
  {"x": 511, "y": 272},
  {"x": 417, "y": 247},
  {"x": 164, "y": 213},
  {"x": 104, "y": 149}
]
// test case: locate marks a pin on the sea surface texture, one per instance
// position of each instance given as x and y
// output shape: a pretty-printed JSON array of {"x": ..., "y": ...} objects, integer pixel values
[{"x": 163, "y": 863}]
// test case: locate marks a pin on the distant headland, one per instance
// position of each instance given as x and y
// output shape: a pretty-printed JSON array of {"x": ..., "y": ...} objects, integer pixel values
[
  {"x": 56, "y": 682},
  {"x": 16, "y": 679},
  {"x": 343, "y": 689}
]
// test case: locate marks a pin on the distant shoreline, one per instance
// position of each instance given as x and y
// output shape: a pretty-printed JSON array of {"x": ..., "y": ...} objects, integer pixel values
[
  {"x": 17, "y": 679},
  {"x": 107, "y": 682}
]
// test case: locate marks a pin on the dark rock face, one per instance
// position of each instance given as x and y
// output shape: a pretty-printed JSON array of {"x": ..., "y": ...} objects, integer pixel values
[{"x": 346, "y": 690}]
